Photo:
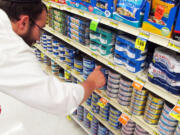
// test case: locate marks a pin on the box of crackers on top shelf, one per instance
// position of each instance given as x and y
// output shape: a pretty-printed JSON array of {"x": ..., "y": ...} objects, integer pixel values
[
  {"x": 129, "y": 11},
  {"x": 59, "y": 1},
  {"x": 160, "y": 16},
  {"x": 176, "y": 32},
  {"x": 86, "y": 5}
]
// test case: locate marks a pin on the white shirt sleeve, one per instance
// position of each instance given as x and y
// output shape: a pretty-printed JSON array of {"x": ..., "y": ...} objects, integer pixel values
[{"x": 22, "y": 77}]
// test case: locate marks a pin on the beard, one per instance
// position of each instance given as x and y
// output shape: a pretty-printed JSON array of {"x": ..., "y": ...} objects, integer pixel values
[{"x": 28, "y": 38}]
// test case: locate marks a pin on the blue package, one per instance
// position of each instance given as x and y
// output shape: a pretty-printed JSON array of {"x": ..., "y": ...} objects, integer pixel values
[
  {"x": 160, "y": 78},
  {"x": 132, "y": 65},
  {"x": 129, "y": 11},
  {"x": 103, "y": 8},
  {"x": 167, "y": 61},
  {"x": 127, "y": 45},
  {"x": 78, "y": 33}
]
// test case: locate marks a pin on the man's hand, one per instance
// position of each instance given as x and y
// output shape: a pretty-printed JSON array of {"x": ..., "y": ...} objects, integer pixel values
[{"x": 94, "y": 81}]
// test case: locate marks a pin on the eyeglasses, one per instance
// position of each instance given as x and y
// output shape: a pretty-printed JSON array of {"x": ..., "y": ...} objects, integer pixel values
[{"x": 41, "y": 29}]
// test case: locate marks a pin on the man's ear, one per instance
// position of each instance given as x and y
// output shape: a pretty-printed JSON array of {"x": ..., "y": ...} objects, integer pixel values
[{"x": 22, "y": 25}]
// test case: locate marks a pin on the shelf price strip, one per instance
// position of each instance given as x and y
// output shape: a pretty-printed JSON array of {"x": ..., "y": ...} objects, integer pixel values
[
  {"x": 102, "y": 102},
  {"x": 138, "y": 84}
]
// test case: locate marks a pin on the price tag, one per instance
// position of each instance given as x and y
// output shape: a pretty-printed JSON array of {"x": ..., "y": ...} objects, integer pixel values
[
  {"x": 140, "y": 43},
  {"x": 175, "y": 112},
  {"x": 144, "y": 34},
  {"x": 173, "y": 45},
  {"x": 114, "y": 24},
  {"x": 102, "y": 102},
  {"x": 93, "y": 25},
  {"x": 42, "y": 55},
  {"x": 155, "y": 133},
  {"x": 68, "y": 117},
  {"x": 68, "y": 40},
  {"x": 81, "y": 12},
  {"x": 138, "y": 84},
  {"x": 111, "y": 64},
  {"x": 89, "y": 116},
  {"x": 124, "y": 119},
  {"x": 69, "y": 8},
  {"x": 94, "y": 55}
]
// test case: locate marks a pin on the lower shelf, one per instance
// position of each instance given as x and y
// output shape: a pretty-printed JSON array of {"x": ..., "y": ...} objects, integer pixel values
[{"x": 81, "y": 124}]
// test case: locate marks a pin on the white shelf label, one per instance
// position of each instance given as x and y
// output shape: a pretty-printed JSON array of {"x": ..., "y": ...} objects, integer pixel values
[{"x": 174, "y": 45}]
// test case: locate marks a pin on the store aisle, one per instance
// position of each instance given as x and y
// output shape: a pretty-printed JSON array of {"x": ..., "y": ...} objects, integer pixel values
[{"x": 19, "y": 119}]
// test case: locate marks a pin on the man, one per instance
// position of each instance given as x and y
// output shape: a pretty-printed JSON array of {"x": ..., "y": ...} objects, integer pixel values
[{"x": 21, "y": 77}]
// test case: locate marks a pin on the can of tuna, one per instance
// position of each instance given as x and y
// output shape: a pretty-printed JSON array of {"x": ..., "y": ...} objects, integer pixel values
[
  {"x": 136, "y": 112},
  {"x": 127, "y": 89},
  {"x": 124, "y": 97},
  {"x": 114, "y": 81},
  {"x": 125, "y": 82},
  {"x": 69, "y": 51},
  {"x": 69, "y": 59},
  {"x": 67, "y": 75},
  {"x": 49, "y": 49},
  {"x": 168, "y": 122},
  {"x": 123, "y": 103},
  {"x": 167, "y": 126},
  {"x": 88, "y": 63},
  {"x": 61, "y": 47},
  {"x": 111, "y": 85},
  {"x": 49, "y": 37},
  {"x": 61, "y": 54},
  {"x": 123, "y": 93},
  {"x": 114, "y": 75},
  {"x": 165, "y": 131},
  {"x": 143, "y": 92},
  {"x": 55, "y": 43},
  {"x": 127, "y": 132},
  {"x": 152, "y": 116},
  {"x": 111, "y": 95},
  {"x": 126, "y": 128},
  {"x": 150, "y": 121},
  {"x": 113, "y": 90},
  {"x": 115, "y": 111},
  {"x": 153, "y": 111},
  {"x": 49, "y": 42},
  {"x": 153, "y": 105},
  {"x": 168, "y": 107},
  {"x": 155, "y": 99}
]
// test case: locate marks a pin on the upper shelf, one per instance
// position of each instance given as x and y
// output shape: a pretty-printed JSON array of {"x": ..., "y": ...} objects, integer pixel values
[{"x": 160, "y": 40}]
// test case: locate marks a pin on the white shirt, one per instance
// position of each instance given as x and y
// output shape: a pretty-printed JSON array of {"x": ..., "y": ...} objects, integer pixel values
[{"x": 22, "y": 77}]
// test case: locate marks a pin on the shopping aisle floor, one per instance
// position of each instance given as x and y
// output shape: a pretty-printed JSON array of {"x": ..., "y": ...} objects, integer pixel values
[{"x": 19, "y": 119}]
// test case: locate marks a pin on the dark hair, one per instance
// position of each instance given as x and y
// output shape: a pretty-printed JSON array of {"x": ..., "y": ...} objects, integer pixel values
[{"x": 14, "y": 9}]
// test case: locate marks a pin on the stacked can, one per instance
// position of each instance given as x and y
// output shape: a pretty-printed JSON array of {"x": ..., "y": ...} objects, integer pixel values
[
  {"x": 153, "y": 109},
  {"x": 67, "y": 76},
  {"x": 49, "y": 43},
  {"x": 138, "y": 101},
  {"x": 78, "y": 64},
  {"x": 94, "y": 106},
  {"x": 38, "y": 54},
  {"x": 177, "y": 132},
  {"x": 69, "y": 56},
  {"x": 55, "y": 68},
  {"x": 47, "y": 60},
  {"x": 94, "y": 126},
  {"x": 74, "y": 80},
  {"x": 140, "y": 131},
  {"x": 105, "y": 71},
  {"x": 86, "y": 122},
  {"x": 125, "y": 91},
  {"x": 80, "y": 113},
  {"x": 55, "y": 45},
  {"x": 113, "y": 84},
  {"x": 43, "y": 40},
  {"x": 104, "y": 112},
  {"x": 113, "y": 118},
  {"x": 88, "y": 66},
  {"x": 62, "y": 52},
  {"x": 88, "y": 101},
  {"x": 102, "y": 130},
  {"x": 167, "y": 124},
  {"x": 129, "y": 128}
]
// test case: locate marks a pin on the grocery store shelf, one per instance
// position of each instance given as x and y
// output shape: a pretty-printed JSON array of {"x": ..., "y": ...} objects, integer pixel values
[
  {"x": 137, "y": 119},
  {"x": 152, "y": 129},
  {"x": 81, "y": 124},
  {"x": 105, "y": 123},
  {"x": 160, "y": 40},
  {"x": 121, "y": 69}
]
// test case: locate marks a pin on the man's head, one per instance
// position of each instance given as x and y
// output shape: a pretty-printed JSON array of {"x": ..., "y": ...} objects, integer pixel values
[{"x": 27, "y": 17}]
